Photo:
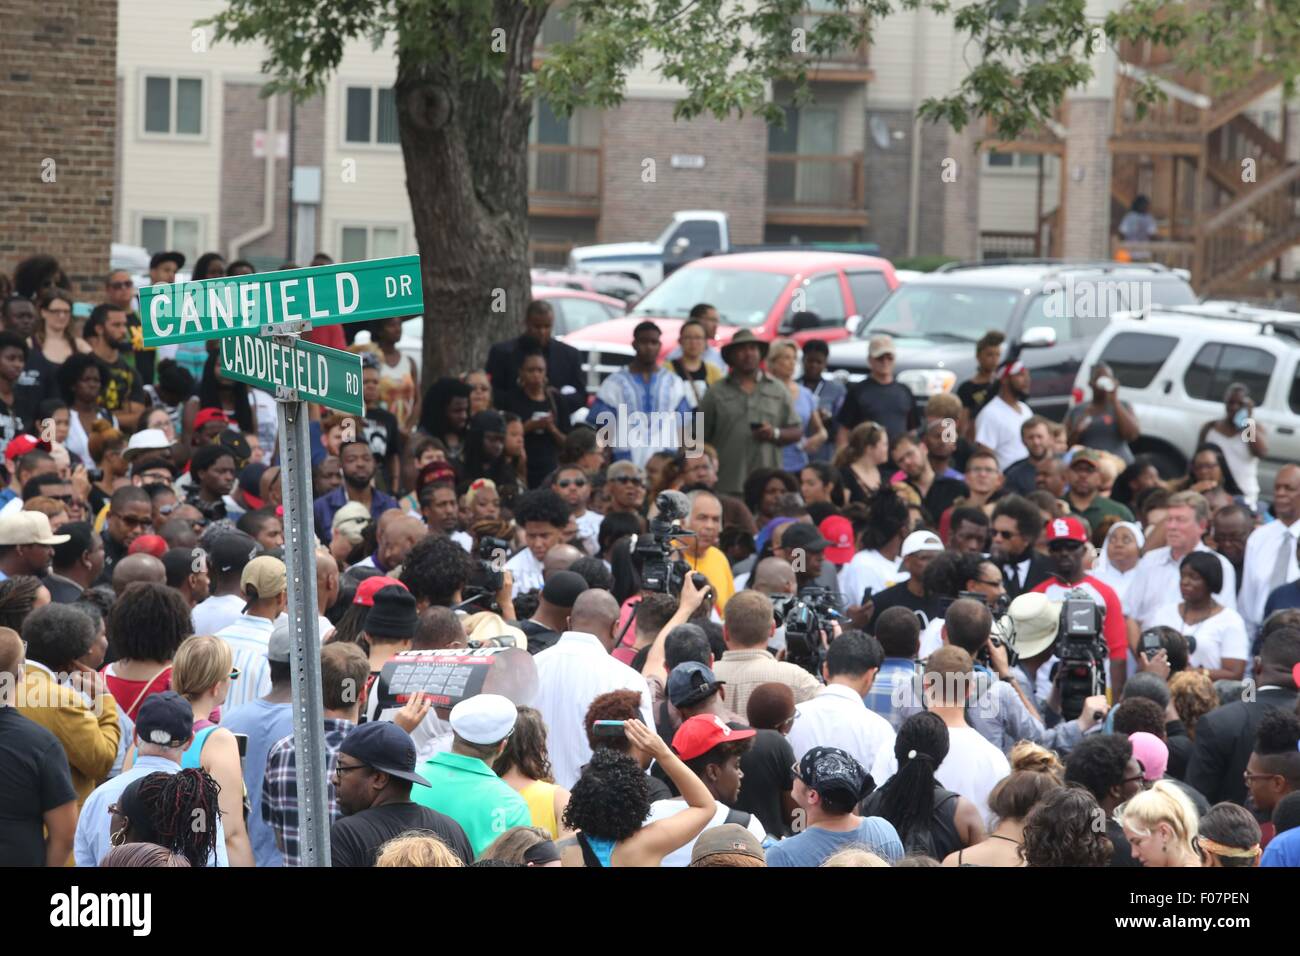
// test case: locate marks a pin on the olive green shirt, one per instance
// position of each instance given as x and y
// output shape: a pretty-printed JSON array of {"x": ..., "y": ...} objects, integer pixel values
[
  {"x": 729, "y": 411},
  {"x": 1100, "y": 509}
]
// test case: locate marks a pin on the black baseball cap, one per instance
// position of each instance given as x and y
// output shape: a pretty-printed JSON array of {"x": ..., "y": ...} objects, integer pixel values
[
  {"x": 179, "y": 565},
  {"x": 691, "y": 682},
  {"x": 800, "y": 534},
  {"x": 158, "y": 258},
  {"x": 165, "y": 719},
  {"x": 231, "y": 551},
  {"x": 384, "y": 746}
]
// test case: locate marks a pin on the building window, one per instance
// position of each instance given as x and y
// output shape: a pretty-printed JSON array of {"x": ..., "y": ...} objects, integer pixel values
[
  {"x": 171, "y": 234},
  {"x": 173, "y": 106},
  {"x": 369, "y": 242},
  {"x": 1016, "y": 161},
  {"x": 370, "y": 115}
]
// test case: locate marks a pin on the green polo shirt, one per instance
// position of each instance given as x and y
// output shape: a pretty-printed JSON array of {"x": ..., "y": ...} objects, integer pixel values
[
  {"x": 728, "y": 411},
  {"x": 1100, "y": 509},
  {"x": 466, "y": 789}
]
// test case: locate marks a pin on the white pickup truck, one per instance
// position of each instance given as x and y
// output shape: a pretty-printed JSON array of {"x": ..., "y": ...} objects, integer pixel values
[{"x": 692, "y": 234}]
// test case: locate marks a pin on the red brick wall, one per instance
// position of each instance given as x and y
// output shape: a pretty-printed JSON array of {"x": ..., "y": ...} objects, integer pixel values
[
  {"x": 734, "y": 178},
  {"x": 58, "y": 102}
]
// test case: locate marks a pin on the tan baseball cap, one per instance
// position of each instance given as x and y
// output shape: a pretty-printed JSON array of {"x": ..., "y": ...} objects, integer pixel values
[
  {"x": 727, "y": 838},
  {"x": 880, "y": 345},
  {"x": 28, "y": 527},
  {"x": 265, "y": 575}
]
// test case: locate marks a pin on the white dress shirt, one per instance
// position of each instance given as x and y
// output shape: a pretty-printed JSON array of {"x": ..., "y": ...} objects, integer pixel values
[
  {"x": 218, "y": 611},
  {"x": 869, "y": 569},
  {"x": 571, "y": 673},
  {"x": 248, "y": 637},
  {"x": 1156, "y": 584},
  {"x": 837, "y": 717},
  {"x": 525, "y": 573},
  {"x": 1262, "y": 550}
]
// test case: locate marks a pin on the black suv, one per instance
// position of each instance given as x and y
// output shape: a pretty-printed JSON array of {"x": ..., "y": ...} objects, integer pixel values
[{"x": 1050, "y": 312}]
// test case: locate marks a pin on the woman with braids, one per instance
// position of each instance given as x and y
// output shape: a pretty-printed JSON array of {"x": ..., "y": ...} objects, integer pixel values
[
  {"x": 1035, "y": 773},
  {"x": 930, "y": 820},
  {"x": 19, "y": 596},
  {"x": 201, "y": 673},
  {"x": 611, "y": 800},
  {"x": 176, "y": 811},
  {"x": 145, "y": 626},
  {"x": 524, "y": 765},
  {"x": 1062, "y": 830},
  {"x": 1229, "y": 837}
]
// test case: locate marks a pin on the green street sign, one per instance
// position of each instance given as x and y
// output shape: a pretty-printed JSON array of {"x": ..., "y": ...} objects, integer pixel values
[
  {"x": 314, "y": 372},
  {"x": 325, "y": 295}
]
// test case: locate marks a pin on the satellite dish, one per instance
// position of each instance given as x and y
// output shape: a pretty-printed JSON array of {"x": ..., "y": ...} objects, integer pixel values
[{"x": 880, "y": 132}]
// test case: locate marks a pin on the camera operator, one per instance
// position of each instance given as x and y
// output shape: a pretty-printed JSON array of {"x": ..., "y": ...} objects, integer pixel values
[
  {"x": 950, "y": 576},
  {"x": 1000, "y": 709},
  {"x": 438, "y": 572},
  {"x": 1067, "y": 543},
  {"x": 803, "y": 546}
]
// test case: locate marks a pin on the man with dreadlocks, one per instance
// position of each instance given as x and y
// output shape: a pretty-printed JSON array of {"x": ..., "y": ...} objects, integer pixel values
[
  {"x": 177, "y": 811},
  {"x": 163, "y": 729}
]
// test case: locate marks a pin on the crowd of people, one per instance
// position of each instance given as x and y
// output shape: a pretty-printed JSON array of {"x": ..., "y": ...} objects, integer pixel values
[{"x": 767, "y": 617}]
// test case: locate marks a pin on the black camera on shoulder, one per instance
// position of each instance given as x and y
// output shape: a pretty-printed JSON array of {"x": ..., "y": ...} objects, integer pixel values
[
  {"x": 1081, "y": 649},
  {"x": 999, "y": 610},
  {"x": 655, "y": 555},
  {"x": 486, "y": 581},
  {"x": 808, "y": 618}
]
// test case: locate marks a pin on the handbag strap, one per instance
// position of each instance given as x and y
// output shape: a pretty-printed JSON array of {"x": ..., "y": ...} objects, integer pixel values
[{"x": 145, "y": 689}]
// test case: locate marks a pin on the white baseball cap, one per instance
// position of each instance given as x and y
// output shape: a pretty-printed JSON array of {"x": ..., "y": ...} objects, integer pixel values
[
  {"x": 921, "y": 541},
  {"x": 28, "y": 527},
  {"x": 484, "y": 718},
  {"x": 147, "y": 439}
]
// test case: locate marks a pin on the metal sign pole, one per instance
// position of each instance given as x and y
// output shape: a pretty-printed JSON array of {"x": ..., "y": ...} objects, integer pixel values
[{"x": 300, "y": 563}]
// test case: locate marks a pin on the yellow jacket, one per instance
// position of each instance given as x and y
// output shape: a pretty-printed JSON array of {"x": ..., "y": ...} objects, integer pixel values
[{"x": 89, "y": 739}]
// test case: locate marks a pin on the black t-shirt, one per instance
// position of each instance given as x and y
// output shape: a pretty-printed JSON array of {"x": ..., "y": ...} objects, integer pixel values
[
  {"x": 924, "y": 608},
  {"x": 11, "y": 423},
  {"x": 121, "y": 385},
  {"x": 892, "y": 406},
  {"x": 355, "y": 840},
  {"x": 35, "y": 780},
  {"x": 766, "y": 766},
  {"x": 38, "y": 381},
  {"x": 384, "y": 439},
  {"x": 539, "y": 446},
  {"x": 1123, "y": 852},
  {"x": 540, "y": 637},
  {"x": 975, "y": 396},
  {"x": 943, "y": 493}
]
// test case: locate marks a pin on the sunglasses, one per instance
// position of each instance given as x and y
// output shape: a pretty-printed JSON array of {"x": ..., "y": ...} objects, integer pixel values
[
  {"x": 122, "y": 284},
  {"x": 1004, "y": 534},
  {"x": 132, "y": 522},
  {"x": 571, "y": 483},
  {"x": 234, "y": 673},
  {"x": 628, "y": 480}
]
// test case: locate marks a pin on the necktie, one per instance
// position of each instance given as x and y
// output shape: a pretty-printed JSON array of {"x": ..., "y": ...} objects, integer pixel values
[{"x": 1281, "y": 563}]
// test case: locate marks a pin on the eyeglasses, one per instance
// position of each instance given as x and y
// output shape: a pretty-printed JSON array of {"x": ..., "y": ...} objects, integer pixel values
[
  {"x": 122, "y": 284},
  {"x": 571, "y": 483},
  {"x": 64, "y": 312},
  {"x": 1004, "y": 534},
  {"x": 1249, "y": 777},
  {"x": 983, "y": 471},
  {"x": 989, "y": 584},
  {"x": 340, "y": 770},
  {"x": 1138, "y": 779},
  {"x": 629, "y": 480}
]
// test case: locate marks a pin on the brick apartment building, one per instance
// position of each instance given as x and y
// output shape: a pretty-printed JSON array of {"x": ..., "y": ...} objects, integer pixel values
[{"x": 58, "y": 121}]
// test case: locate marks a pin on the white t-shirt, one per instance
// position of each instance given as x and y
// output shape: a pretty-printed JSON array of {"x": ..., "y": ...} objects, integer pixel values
[
  {"x": 1217, "y": 637},
  {"x": 997, "y": 427},
  {"x": 869, "y": 569},
  {"x": 589, "y": 529},
  {"x": 218, "y": 611},
  {"x": 972, "y": 768},
  {"x": 525, "y": 573},
  {"x": 663, "y": 809},
  {"x": 931, "y": 638}
]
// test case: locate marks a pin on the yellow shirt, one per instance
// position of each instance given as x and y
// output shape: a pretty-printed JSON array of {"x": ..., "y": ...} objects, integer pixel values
[
  {"x": 717, "y": 569},
  {"x": 540, "y": 797}
]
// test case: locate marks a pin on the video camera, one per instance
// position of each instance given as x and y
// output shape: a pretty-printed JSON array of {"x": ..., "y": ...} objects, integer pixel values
[
  {"x": 808, "y": 618},
  {"x": 481, "y": 593},
  {"x": 1081, "y": 650},
  {"x": 654, "y": 554},
  {"x": 999, "y": 610}
]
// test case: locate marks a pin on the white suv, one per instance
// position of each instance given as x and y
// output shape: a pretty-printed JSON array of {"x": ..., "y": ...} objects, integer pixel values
[{"x": 1174, "y": 365}]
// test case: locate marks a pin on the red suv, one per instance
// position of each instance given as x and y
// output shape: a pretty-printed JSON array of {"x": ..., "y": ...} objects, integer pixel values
[{"x": 803, "y": 295}]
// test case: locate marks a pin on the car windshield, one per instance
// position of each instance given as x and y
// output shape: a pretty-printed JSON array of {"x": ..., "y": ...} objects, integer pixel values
[
  {"x": 942, "y": 313},
  {"x": 741, "y": 298}
]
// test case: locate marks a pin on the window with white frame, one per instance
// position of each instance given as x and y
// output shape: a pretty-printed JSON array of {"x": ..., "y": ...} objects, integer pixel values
[
  {"x": 1027, "y": 162},
  {"x": 369, "y": 242},
  {"x": 171, "y": 234},
  {"x": 370, "y": 115},
  {"x": 172, "y": 105}
]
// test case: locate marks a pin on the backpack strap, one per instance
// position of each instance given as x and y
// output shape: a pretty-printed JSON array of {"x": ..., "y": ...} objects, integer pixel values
[
  {"x": 589, "y": 857},
  {"x": 738, "y": 816}
]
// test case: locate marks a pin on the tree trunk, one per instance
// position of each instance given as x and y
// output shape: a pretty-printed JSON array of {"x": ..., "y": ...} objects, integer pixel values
[{"x": 465, "y": 145}]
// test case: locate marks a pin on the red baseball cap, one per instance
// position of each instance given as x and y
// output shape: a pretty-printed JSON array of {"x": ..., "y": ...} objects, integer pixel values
[
  {"x": 838, "y": 530},
  {"x": 206, "y": 415},
  {"x": 367, "y": 588},
  {"x": 149, "y": 544},
  {"x": 1069, "y": 528},
  {"x": 701, "y": 733},
  {"x": 21, "y": 444}
]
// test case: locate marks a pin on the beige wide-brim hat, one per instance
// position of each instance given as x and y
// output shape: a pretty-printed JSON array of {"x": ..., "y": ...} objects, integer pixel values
[{"x": 1030, "y": 624}]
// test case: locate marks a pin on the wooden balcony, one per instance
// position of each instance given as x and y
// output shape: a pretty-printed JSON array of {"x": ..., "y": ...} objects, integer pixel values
[
  {"x": 564, "y": 180},
  {"x": 812, "y": 190},
  {"x": 1040, "y": 140},
  {"x": 845, "y": 63}
]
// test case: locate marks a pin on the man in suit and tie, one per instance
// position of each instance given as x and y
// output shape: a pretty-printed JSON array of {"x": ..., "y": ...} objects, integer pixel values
[
  {"x": 1017, "y": 523},
  {"x": 1226, "y": 735},
  {"x": 563, "y": 362}
]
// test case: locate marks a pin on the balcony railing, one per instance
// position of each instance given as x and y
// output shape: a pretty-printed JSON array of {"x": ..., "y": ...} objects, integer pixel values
[
  {"x": 801, "y": 181},
  {"x": 559, "y": 174}
]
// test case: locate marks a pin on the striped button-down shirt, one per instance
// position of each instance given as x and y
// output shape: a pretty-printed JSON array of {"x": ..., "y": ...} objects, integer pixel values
[
  {"x": 248, "y": 638},
  {"x": 280, "y": 787}
]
